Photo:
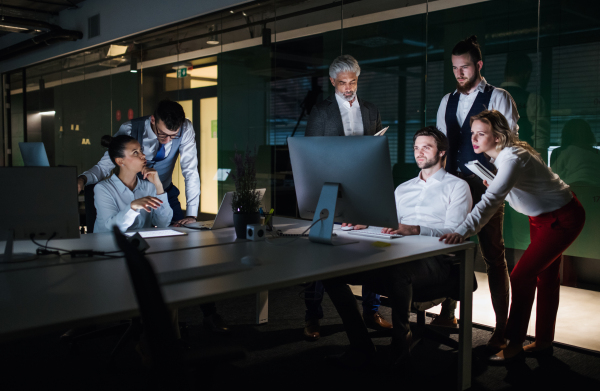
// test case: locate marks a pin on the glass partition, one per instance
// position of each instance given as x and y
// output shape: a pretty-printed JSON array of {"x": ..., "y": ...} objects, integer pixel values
[{"x": 248, "y": 78}]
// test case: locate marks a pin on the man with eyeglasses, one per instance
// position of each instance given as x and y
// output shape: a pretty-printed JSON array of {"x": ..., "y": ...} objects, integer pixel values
[{"x": 164, "y": 136}]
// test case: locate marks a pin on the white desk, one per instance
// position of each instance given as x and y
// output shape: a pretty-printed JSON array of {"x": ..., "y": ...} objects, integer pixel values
[{"x": 60, "y": 295}]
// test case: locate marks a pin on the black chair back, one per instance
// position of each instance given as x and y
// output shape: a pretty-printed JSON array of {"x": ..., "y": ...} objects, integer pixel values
[
  {"x": 90, "y": 208},
  {"x": 450, "y": 288},
  {"x": 156, "y": 319}
]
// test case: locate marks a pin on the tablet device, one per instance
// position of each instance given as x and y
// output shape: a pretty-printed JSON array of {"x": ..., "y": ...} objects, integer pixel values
[{"x": 160, "y": 233}]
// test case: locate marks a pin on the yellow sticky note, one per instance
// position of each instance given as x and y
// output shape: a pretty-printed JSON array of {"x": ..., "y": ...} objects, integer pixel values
[{"x": 380, "y": 244}]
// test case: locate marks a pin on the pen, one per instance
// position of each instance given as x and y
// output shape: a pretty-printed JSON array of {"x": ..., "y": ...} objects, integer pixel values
[{"x": 269, "y": 216}]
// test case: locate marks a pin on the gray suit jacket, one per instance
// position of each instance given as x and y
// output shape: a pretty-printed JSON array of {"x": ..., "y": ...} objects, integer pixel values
[{"x": 326, "y": 120}]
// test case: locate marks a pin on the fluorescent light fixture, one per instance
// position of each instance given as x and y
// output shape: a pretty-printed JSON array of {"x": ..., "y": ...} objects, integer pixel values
[
  {"x": 116, "y": 50},
  {"x": 48, "y": 112},
  {"x": 13, "y": 27}
]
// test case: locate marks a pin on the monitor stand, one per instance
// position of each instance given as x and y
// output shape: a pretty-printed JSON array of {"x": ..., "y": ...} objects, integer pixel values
[
  {"x": 322, "y": 231},
  {"x": 9, "y": 256}
]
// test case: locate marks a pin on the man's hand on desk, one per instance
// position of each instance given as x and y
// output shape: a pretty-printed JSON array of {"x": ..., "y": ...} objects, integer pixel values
[
  {"x": 81, "y": 183},
  {"x": 354, "y": 226},
  {"x": 187, "y": 220},
  {"x": 403, "y": 229},
  {"x": 452, "y": 238}
]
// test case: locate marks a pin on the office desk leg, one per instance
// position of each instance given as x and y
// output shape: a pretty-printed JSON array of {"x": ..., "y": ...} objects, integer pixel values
[
  {"x": 262, "y": 307},
  {"x": 466, "y": 320}
]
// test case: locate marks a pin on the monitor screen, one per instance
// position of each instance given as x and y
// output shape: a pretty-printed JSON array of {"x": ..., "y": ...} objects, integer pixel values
[
  {"x": 39, "y": 201},
  {"x": 362, "y": 168}
]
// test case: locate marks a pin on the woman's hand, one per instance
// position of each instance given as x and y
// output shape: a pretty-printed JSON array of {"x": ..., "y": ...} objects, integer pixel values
[
  {"x": 152, "y": 175},
  {"x": 147, "y": 203},
  {"x": 354, "y": 226},
  {"x": 452, "y": 238},
  {"x": 486, "y": 183}
]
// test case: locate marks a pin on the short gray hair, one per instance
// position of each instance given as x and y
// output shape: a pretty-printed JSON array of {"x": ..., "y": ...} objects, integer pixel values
[{"x": 344, "y": 63}]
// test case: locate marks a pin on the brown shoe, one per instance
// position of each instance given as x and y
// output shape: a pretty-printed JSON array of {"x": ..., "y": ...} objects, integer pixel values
[
  {"x": 376, "y": 322},
  {"x": 442, "y": 321},
  {"x": 312, "y": 330}
]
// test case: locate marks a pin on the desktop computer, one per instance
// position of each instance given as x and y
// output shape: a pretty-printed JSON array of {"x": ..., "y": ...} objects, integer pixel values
[
  {"x": 343, "y": 179},
  {"x": 39, "y": 203}
]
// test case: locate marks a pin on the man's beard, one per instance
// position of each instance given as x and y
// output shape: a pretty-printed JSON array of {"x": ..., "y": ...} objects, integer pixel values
[
  {"x": 348, "y": 98},
  {"x": 430, "y": 163},
  {"x": 465, "y": 88}
]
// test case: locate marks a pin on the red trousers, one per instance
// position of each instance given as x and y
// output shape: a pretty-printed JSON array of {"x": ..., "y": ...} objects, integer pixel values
[{"x": 539, "y": 267}]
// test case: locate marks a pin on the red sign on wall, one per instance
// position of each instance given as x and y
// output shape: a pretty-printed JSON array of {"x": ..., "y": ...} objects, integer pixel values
[
  {"x": 130, "y": 114},
  {"x": 118, "y": 115}
]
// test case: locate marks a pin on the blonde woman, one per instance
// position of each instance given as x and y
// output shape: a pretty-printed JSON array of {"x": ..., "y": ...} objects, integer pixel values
[{"x": 555, "y": 219}]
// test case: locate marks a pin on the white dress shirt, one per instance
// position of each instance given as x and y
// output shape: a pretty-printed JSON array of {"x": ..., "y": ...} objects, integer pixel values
[
  {"x": 524, "y": 180},
  {"x": 437, "y": 206},
  {"x": 113, "y": 206},
  {"x": 500, "y": 100},
  {"x": 188, "y": 158},
  {"x": 351, "y": 117}
]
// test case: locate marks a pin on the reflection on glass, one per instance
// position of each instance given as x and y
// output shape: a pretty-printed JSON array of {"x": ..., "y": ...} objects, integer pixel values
[
  {"x": 534, "y": 127},
  {"x": 577, "y": 161}
]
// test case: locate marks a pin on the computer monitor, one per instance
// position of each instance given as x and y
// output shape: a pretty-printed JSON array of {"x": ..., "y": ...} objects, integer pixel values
[
  {"x": 343, "y": 179},
  {"x": 39, "y": 202},
  {"x": 34, "y": 155}
]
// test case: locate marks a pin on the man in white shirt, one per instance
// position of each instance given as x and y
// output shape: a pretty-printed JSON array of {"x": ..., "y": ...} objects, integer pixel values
[
  {"x": 473, "y": 95},
  {"x": 342, "y": 114},
  {"x": 432, "y": 204},
  {"x": 164, "y": 136}
]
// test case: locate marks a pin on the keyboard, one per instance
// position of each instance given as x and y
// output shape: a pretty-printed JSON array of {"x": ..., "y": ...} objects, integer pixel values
[
  {"x": 199, "y": 272},
  {"x": 374, "y": 232}
]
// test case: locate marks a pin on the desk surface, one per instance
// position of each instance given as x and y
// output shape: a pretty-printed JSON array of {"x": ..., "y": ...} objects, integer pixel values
[{"x": 55, "y": 294}]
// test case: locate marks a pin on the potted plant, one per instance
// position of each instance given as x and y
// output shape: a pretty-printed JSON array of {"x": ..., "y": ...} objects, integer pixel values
[{"x": 246, "y": 200}]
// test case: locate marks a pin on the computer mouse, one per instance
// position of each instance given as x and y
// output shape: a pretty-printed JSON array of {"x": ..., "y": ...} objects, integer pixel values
[
  {"x": 347, "y": 228},
  {"x": 251, "y": 260}
]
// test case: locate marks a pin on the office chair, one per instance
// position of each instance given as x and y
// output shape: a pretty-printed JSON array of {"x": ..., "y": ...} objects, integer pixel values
[
  {"x": 90, "y": 208},
  {"x": 451, "y": 289},
  {"x": 170, "y": 360}
]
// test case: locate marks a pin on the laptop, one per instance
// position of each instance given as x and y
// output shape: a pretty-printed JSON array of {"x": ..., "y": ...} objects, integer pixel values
[
  {"x": 224, "y": 216},
  {"x": 34, "y": 155}
]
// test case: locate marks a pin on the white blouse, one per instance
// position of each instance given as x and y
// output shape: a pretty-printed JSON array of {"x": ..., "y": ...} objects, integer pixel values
[
  {"x": 524, "y": 180},
  {"x": 113, "y": 206}
]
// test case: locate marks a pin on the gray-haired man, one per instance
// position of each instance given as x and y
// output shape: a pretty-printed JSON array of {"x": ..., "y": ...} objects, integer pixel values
[{"x": 344, "y": 113}]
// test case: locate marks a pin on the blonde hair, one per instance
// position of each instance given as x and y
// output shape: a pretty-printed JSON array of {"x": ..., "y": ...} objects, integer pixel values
[{"x": 501, "y": 130}]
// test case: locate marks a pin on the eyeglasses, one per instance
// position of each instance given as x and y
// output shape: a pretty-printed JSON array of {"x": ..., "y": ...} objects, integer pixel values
[{"x": 161, "y": 135}]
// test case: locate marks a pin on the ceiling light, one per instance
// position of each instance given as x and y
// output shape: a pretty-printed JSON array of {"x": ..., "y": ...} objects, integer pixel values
[
  {"x": 133, "y": 65},
  {"x": 116, "y": 50},
  {"x": 231, "y": 11},
  {"x": 243, "y": 13},
  {"x": 213, "y": 39},
  {"x": 48, "y": 112}
]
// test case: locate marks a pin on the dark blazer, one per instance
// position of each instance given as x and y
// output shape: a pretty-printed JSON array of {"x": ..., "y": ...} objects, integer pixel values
[{"x": 326, "y": 120}]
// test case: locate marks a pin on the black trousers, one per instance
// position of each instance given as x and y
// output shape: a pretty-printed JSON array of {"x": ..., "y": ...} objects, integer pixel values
[{"x": 397, "y": 283}]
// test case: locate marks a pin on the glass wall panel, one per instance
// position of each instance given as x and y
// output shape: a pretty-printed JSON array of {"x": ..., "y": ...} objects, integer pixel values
[{"x": 249, "y": 77}]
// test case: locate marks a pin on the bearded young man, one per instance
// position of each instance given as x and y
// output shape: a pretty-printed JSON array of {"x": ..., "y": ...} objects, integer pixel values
[{"x": 473, "y": 95}]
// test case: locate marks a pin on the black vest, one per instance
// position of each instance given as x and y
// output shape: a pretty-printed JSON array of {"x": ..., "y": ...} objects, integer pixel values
[{"x": 461, "y": 149}]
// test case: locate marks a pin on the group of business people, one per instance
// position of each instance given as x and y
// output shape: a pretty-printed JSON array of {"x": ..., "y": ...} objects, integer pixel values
[{"x": 476, "y": 122}]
